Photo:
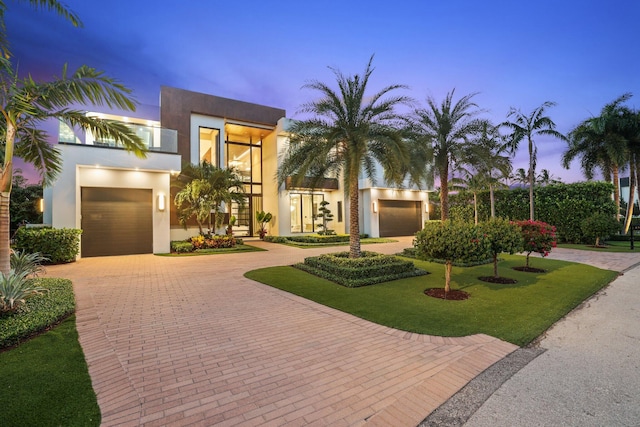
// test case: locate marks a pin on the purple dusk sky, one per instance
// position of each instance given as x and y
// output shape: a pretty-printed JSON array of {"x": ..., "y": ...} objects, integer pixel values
[{"x": 579, "y": 54}]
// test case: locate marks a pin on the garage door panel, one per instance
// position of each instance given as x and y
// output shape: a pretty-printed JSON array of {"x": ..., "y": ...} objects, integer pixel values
[
  {"x": 116, "y": 221},
  {"x": 399, "y": 217}
]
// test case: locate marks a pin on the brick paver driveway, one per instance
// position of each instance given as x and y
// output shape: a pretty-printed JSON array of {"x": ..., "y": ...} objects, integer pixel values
[{"x": 190, "y": 341}]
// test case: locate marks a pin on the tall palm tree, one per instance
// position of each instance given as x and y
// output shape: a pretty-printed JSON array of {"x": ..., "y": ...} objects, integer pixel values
[
  {"x": 527, "y": 127},
  {"x": 445, "y": 129},
  {"x": 486, "y": 156},
  {"x": 51, "y": 5},
  {"x": 545, "y": 178},
  {"x": 25, "y": 104},
  {"x": 600, "y": 143},
  {"x": 349, "y": 132},
  {"x": 631, "y": 131},
  {"x": 520, "y": 176}
]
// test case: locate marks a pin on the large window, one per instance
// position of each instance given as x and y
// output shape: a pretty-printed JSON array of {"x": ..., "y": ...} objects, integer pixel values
[
  {"x": 209, "y": 143},
  {"x": 304, "y": 212}
]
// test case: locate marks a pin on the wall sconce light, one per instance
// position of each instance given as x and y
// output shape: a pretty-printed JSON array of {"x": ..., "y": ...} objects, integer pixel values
[
  {"x": 162, "y": 202},
  {"x": 41, "y": 205},
  {"x": 375, "y": 207},
  {"x": 426, "y": 207}
]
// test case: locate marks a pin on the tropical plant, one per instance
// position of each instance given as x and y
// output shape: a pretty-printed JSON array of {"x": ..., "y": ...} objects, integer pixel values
[
  {"x": 26, "y": 104},
  {"x": 600, "y": 226},
  {"x": 15, "y": 288},
  {"x": 503, "y": 236},
  {"x": 600, "y": 142},
  {"x": 526, "y": 127},
  {"x": 24, "y": 205},
  {"x": 28, "y": 263},
  {"x": 537, "y": 237},
  {"x": 349, "y": 132},
  {"x": 444, "y": 131},
  {"x": 546, "y": 178},
  {"x": 205, "y": 188},
  {"x": 263, "y": 219},
  {"x": 520, "y": 177},
  {"x": 451, "y": 241},
  {"x": 486, "y": 156}
]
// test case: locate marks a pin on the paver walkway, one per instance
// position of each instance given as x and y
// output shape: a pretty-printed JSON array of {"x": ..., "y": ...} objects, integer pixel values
[{"x": 190, "y": 341}]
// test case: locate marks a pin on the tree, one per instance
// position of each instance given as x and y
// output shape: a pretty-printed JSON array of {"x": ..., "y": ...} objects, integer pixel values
[
  {"x": 205, "y": 188},
  {"x": 451, "y": 241},
  {"x": 600, "y": 142},
  {"x": 51, "y": 5},
  {"x": 486, "y": 156},
  {"x": 527, "y": 127},
  {"x": 24, "y": 203},
  {"x": 445, "y": 130},
  {"x": 599, "y": 226},
  {"x": 503, "y": 236},
  {"x": 349, "y": 132},
  {"x": 326, "y": 216},
  {"x": 26, "y": 104},
  {"x": 537, "y": 237},
  {"x": 520, "y": 177}
]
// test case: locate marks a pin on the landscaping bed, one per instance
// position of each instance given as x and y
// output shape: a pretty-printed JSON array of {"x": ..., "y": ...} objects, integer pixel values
[{"x": 316, "y": 240}]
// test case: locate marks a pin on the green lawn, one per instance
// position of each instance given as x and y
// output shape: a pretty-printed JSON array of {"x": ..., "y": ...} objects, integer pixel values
[
  {"x": 45, "y": 382},
  {"x": 516, "y": 313},
  {"x": 611, "y": 246}
]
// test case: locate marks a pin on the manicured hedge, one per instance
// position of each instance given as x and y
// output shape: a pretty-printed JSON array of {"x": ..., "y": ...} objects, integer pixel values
[
  {"x": 565, "y": 206},
  {"x": 38, "y": 312},
  {"x": 58, "y": 245},
  {"x": 371, "y": 268}
]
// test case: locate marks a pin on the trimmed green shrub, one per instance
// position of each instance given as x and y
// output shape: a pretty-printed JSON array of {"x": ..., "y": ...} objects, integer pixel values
[
  {"x": 180, "y": 246},
  {"x": 600, "y": 226},
  {"x": 503, "y": 236},
  {"x": 275, "y": 239},
  {"x": 369, "y": 269},
  {"x": 58, "y": 245},
  {"x": 38, "y": 312},
  {"x": 452, "y": 241},
  {"x": 212, "y": 242}
]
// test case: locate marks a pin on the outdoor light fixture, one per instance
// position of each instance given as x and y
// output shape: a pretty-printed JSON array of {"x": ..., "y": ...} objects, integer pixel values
[
  {"x": 161, "y": 202},
  {"x": 426, "y": 207},
  {"x": 41, "y": 205},
  {"x": 375, "y": 207}
]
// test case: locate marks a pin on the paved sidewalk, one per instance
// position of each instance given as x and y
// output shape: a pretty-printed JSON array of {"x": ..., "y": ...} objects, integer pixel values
[
  {"x": 190, "y": 341},
  {"x": 590, "y": 373}
]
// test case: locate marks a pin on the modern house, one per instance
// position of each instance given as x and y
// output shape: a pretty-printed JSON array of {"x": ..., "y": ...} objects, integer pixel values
[{"x": 124, "y": 204}]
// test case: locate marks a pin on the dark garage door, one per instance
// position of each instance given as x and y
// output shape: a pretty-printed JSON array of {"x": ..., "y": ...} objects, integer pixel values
[
  {"x": 116, "y": 221},
  {"x": 399, "y": 217}
]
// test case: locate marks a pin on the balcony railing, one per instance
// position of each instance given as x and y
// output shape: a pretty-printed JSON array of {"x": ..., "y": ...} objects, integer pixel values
[
  {"x": 311, "y": 183},
  {"x": 155, "y": 138}
]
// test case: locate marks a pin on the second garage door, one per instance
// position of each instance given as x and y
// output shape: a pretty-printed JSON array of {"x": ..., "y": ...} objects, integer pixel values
[
  {"x": 399, "y": 217},
  {"x": 116, "y": 221}
]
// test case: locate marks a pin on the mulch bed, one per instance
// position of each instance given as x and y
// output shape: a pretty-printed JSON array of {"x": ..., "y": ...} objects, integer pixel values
[
  {"x": 452, "y": 295},
  {"x": 530, "y": 269},
  {"x": 498, "y": 280}
]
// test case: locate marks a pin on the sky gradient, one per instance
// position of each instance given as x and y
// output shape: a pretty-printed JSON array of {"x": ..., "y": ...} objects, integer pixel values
[{"x": 579, "y": 54}]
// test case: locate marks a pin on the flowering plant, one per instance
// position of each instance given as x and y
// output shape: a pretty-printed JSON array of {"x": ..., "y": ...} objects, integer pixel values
[{"x": 538, "y": 237}]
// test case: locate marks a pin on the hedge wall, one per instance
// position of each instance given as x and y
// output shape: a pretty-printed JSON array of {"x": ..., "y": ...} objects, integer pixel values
[{"x": 562, "y": 205}]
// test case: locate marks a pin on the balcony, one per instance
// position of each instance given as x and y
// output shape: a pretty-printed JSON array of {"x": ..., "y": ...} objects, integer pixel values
[
  {"x": 155, "y": 138},
  {"x": 309, "y": 183}
]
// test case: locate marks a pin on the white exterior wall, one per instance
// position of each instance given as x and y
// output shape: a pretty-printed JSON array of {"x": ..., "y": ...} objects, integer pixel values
[{"x": 88, "y": 166}]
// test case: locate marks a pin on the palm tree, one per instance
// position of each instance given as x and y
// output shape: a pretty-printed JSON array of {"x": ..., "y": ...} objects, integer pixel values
[
  {"x": 445, "y": 130},
  {"x": 486, "y": 158},
  {"x": 527, "y": 127},
  {"x": 204, "y": 189},
  {"x": 348, "y": 133},
  {"x": 600, "y": 143},
  {"x": 546, "y": 178},
  {"x": 51, "y": 5},
  {"x": 631, "y": 130},
  {"x": 26, "y": 104},
  {"x": 520, "y": 177}
]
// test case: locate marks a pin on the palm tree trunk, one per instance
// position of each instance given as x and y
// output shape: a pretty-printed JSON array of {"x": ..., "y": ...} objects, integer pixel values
[
  {"x": 531, "y": 180},
  {"x": 6, "y": 180},
  {"x": 616, "y": 190},
  {"x": 632, "y": 193},
  {"x": 492, "y": 201},
  {"x": 475, "y": 207},
  {"x": 354, "y": 223},
  {"x": 444, "y": 192}
]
